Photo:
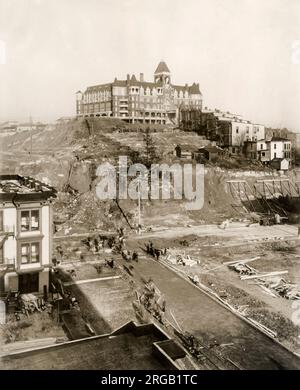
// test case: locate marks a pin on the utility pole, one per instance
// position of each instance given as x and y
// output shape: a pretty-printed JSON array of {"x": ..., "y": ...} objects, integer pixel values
[
  {"x": 30, "y": 120},
  {"x": 139, "y": 205}
]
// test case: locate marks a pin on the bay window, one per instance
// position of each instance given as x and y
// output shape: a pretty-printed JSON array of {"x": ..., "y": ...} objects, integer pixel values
[
  {"x": 30, "y": 252},
  {"x": 30, "y": 220}
]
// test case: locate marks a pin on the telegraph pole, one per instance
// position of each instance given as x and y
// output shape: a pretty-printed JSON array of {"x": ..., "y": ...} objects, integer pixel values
[
  {"x": 30, "y": 120},
  {"x": 139, "y": 205}
]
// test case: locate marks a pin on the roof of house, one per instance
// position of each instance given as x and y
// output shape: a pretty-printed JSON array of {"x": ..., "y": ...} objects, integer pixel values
[
  {"x": 130, "y": 347},
  {"x": 192, "y": 89},
  {"x": 95, "y": 88},
  {"x": 278, "y": 159},
  {"x": 211, "y": 149},
  {"x": 162, "y": 67},
  {"x": 275, "y": 139},
  {"x": 133, "y": 81},
  {"x": 187, "y": 148},
  {"x": 14, "y": 188}
]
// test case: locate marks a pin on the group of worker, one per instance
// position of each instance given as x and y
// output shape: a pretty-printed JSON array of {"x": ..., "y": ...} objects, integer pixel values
[
  {"x": 156, "y": 253},
  {"x": 128, "y": 256}
]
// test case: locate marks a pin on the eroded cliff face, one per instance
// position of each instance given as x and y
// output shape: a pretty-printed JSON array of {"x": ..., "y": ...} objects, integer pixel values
[{"x": 67, "y": 155}]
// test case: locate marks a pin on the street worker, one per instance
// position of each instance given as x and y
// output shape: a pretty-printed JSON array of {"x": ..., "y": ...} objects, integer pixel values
[
  {"x": 157, "y": 254},
  {"x": 135, "y": 256},
  {"x": 110, "y": 263},
  {"x": 151, "y": 249}
]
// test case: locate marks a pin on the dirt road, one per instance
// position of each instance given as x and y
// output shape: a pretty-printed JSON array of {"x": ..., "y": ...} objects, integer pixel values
[{"x": 237, "y": 231}]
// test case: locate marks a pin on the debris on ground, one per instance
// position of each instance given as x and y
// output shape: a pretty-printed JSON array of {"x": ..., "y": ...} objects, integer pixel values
[
  {"x": 171, "y": 255},
  {"x": 152, "y": 300},
  {"x": 271, "y": 283},
  {"x": 243, "y": 269},
  {"x": 278, "y": 286}
]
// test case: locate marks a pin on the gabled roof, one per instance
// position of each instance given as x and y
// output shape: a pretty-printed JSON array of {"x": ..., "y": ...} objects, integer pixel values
[
  {"x": 194, "y": 89},
  {"x": 162, "y": 67},
  {"x": 136, "y": 83},
  {"x": 133, "y": 79},
  {"x": 211, "y": 149}
]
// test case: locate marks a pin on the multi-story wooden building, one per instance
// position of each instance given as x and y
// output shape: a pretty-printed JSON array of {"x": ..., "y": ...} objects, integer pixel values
[
  {"x": 229, "y": 131},
  {"x": 138, "y": 100},
  {"x": 25, "y": 234}
]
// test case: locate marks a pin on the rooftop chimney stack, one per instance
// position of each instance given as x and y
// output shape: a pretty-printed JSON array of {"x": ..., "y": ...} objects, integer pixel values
[{"x": 141, "y": 77}]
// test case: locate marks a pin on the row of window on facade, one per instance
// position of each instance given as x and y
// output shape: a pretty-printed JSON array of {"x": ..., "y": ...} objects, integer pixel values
[
  {"x": 29, "y": 251},
  {"x": 96, "y": 97},
  {"x": 147, "y": 91},
  {"x": 140, "y": 106},
  {"x": 255, "y": 129},
  {"x": 287, "y": 146},
  {"x": 30, "y": 220},
  {"x": 92, "y": 108},
  {"x": 105, "y": 95}
]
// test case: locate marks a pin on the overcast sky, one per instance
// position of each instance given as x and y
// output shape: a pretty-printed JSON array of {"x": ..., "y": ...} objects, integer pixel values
[{"x": 240, "y": 52}]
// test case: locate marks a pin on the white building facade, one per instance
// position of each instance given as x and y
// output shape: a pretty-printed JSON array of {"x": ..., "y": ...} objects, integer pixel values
[{"x": 26, "y": 232}]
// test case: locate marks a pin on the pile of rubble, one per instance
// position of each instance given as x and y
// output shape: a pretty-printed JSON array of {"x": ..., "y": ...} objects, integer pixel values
[
  {"x": 26, "y": 304},
  {"x": 171, "y": 255},
  {"x": 152, "y": 300},
  {"x": 177, "y": 257},
  {"x": 280, "y": 287},
  {"x": 271, "y": 283}
]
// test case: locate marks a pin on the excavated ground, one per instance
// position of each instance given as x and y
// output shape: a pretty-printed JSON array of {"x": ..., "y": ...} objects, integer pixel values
[{"x": 66, "y": 156}]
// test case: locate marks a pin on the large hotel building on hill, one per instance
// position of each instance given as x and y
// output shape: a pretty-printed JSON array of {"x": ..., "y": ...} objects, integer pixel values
[{"x": 140, "y": 101}]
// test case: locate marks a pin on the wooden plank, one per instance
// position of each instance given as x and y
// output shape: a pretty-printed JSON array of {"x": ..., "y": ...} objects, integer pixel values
[
  {"x": 66, "y": 284},
  {"x": 268, "y": 291},
  {"x": 264, "y": 275},
  {"x": 241, "y": 261},
  {"x": 263, "y": 327}
]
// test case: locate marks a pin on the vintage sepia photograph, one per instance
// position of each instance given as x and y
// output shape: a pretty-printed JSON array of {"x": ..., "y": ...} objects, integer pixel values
[{"x": 149, "y": 188}]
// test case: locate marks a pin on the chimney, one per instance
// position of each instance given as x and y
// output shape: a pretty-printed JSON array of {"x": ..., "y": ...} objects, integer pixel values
[
  {"x": 128, "y": 78},
  {"x": 141, "y": 77}
]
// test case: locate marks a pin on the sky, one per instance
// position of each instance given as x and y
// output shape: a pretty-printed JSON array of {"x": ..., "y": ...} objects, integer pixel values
[{"x": 245, "y": 54}]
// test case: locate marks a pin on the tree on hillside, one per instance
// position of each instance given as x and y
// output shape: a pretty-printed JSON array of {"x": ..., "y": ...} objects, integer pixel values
[{"x": 150, "y": 151}]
